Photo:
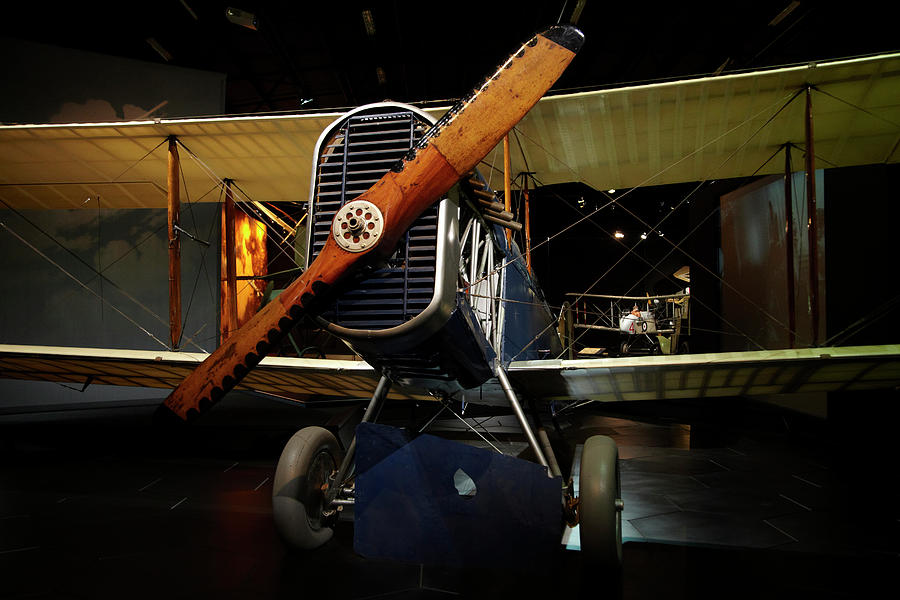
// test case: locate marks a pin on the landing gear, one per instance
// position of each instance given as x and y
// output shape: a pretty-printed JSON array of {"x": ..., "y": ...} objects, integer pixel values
[
  {"x": 304, "y": 470},
  {"x": 642, "y": 344},
  {"x": 600, "y": 507},
  {"x": 309, "y": 478}
]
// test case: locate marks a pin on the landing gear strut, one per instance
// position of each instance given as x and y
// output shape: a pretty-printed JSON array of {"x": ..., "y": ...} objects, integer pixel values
[{"x": 310, "y": 475}]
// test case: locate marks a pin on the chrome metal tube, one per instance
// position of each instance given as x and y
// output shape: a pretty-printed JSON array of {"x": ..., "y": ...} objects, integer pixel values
[
  {"x": 551, "y": 457},
  {"x": 381, "y": 391},
  {"x": 523, "y": 421}
]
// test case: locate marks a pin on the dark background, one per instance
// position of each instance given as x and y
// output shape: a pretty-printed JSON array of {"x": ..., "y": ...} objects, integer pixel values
[{"x": 321, "y": 51}]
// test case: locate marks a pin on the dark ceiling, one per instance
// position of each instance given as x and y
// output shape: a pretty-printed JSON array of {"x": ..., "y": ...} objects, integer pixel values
[{"x": 307, "y": 55}]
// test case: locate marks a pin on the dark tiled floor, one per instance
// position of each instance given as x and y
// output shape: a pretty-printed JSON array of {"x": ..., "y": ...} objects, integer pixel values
[{"x": 102, "y": 507}]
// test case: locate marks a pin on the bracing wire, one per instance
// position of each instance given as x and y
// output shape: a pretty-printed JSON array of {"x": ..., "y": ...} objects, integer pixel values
[
  {"x": 282, "y": 240},
  {"x": 80, "y": 283},
  {"x": 96, "y": 273},
  {"x": 784, "y": 104},
  {"x": 202, "y": 267},
  {"x": 857, "y": 107},
  {"x": 138, "y": 161},
  {"x": 196, "y": 228},
  {"x": 645, "y": 181}
]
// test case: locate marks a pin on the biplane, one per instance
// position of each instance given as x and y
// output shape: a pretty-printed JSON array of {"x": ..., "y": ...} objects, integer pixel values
[{"x": 408, "y": 261}]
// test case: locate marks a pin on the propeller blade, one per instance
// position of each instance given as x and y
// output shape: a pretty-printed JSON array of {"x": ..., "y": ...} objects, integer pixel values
[{"x": 448, "y": 151}]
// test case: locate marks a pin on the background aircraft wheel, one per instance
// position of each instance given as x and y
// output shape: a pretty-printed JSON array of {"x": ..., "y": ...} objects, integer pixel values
[
  {"x": 599, "y": 512},
  {"x": 306, "y": 462}
]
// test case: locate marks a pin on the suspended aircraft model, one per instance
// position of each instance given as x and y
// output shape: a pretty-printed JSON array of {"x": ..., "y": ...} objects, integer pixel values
[{"x": 464, "y": 321}]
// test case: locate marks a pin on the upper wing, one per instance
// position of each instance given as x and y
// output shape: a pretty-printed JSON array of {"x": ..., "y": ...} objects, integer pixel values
[
  {"x": 711, "y": 375},
  {"x": 312, "y": 378},
  {"x": 654, "y": 134},
  {"x": 715, "y": 127}
]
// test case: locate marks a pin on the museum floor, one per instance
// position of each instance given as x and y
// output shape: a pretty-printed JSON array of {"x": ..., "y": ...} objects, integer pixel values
[{"x": 98, "y": 504}]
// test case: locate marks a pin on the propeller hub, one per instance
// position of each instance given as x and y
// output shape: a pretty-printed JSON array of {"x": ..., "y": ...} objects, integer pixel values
[{"x": 357, "y": 226}]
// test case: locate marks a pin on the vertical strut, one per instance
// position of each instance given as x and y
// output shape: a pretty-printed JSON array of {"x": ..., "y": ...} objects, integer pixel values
[
  {"x": 523, "y": 420},
  {"x": 527, "y": 227},
  {"x": 812, "y": 229},
  {"x": 174, "y": 218},
  {"x": 789, "y": 243},
  {"x": 230, "y": 305},
  {"x": 507, "y": 187}
]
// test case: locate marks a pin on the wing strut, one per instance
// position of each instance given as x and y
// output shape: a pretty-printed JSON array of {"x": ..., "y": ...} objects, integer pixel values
[{"x": 370, "y": 227}]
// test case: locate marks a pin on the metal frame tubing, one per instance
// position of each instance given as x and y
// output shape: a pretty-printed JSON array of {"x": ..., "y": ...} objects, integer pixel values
[
  {"x": 523, "y": 421},
  {"x": 381, "y": 392}
]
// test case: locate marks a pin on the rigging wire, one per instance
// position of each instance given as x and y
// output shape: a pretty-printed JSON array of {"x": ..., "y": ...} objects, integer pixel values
[
  {"x": 794, "y": 195},
  {"x": 202, "y": 268},
  {"x": 99, "y": 272},
  {"x": 677, "y": 246},
  {"x": 240, "y": 204},
  {"x": 645, "y": 181},
  {"x": 220, "y": 183},
  {"x": 96, "y": 273},
  {"x": 653, "y": 267},
  {"x": 857, "y": 107},
  {"x": 730, "y": 156},
  {"x": 99, "y": 249},
  {"x": 562, "y": 12},
  {"x": 657, "y": 269},
  {"x": 147, "y": 238},
  {"x": 76, "y": 280},
  {"x": 875, "y": 315},
  {"x": 196, "y": 228},
  {"x": 138, "y": 161}
]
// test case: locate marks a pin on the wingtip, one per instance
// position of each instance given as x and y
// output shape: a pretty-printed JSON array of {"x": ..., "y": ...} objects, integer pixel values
[{"x": 567, "y": 36}]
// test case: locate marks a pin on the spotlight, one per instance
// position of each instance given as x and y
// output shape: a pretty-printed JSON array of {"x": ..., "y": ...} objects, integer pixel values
[
  {"x": 619, "y": 235},
  {"x": 165, "y": 54},
  {"x": 369, "y": 22},
  {"x": 242, "y": 18},
  {"x": 644, "y": 236}
]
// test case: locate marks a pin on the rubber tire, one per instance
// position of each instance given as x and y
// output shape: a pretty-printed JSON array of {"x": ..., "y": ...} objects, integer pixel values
[
  {"x": 296, "y": 492},
  {"x": 600, "y": 524}
]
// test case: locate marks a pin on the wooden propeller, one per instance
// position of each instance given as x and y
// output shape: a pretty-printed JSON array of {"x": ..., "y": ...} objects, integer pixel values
[{"x": 447, "y": 152}]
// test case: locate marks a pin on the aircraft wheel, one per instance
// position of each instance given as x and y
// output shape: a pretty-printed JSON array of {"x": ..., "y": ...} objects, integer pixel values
[
  {"x": 308, "y": 459},
  {"x": 600, "y": 509}
]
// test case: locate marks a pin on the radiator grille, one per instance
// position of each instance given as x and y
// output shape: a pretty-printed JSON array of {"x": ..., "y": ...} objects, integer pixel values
[{"x": 357, "y": 155}]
